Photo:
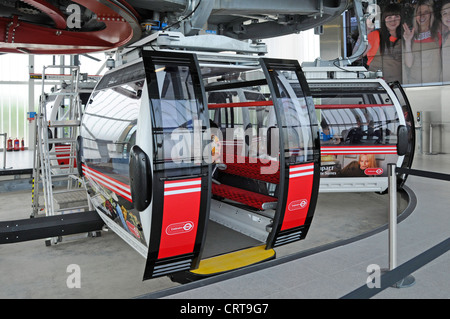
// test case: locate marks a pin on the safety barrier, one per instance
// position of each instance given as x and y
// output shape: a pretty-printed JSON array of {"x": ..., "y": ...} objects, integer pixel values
[
  {"x": 432, "y": 125},
  {"x": 400, "y": 277},
  {"x": 392, "y": 176},
  {"x": 393, "y": 277}
]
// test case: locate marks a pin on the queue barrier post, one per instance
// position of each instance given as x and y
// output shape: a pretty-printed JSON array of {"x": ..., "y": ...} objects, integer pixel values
[{"x": 409, "y": 280}]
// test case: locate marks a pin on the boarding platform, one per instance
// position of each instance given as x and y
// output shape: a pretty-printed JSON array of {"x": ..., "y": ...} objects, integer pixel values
[{"x": 348, "y": 234}]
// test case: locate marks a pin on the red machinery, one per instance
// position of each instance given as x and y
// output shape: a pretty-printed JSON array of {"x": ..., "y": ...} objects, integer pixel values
[{"x": 117, "y": 24}]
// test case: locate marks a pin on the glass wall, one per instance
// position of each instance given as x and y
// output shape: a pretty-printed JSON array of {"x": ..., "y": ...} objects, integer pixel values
[
  {"x": 13, "y": 96},
  {"x": 14, "y": 88}
]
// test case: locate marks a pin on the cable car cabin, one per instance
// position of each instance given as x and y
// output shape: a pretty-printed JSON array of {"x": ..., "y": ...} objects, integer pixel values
[
  {"x": 58, "y": 110},
  {"x": 364, "y": 126},
  {"x": 202, "y": 162}
]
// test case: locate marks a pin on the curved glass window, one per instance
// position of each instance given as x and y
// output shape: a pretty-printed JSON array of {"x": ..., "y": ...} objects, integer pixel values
[
  {"x": 295, "y": 121},
  {"x": 177, "y": 124},
  {"x": 355, "y": 113},
  {"x": 109, "y": 128}
]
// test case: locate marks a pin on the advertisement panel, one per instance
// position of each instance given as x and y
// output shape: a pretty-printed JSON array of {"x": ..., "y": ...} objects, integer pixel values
[{"x": 408, "y": 41}]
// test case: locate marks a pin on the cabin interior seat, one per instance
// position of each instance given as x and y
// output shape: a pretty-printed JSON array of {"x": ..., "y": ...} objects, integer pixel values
[{"x": 250, "y": 168}]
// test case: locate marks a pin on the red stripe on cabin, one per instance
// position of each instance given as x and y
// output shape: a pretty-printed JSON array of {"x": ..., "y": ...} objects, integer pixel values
[
  {"x": 348, "y": 106},
  {"x": 240, "y": 104}
]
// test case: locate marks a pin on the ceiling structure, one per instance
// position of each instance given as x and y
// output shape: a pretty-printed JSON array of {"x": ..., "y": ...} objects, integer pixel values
[{"x": 82, "y": 26}]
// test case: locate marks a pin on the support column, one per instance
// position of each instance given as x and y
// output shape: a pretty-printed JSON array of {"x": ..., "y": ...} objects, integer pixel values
[{"x": 31, "y": 106}]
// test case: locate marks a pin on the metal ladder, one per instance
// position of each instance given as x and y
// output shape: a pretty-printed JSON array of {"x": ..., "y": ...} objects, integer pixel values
[{"x": 54, "y": 166}]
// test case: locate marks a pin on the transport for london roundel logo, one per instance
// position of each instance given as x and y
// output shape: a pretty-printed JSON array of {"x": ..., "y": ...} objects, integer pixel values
[
  {"x": 373, "y": 171},
  {"x": 298, "y": 204},
  {"x": 179, "y": 228}
]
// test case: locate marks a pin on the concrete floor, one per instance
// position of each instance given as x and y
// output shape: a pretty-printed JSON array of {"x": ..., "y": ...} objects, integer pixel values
[
  {"x": 111, "y": 269},
  {"x": 342, "y": 268}
]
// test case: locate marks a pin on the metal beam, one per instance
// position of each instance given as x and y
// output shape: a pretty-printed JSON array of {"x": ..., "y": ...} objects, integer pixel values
[{"x": 51, "y": 226}]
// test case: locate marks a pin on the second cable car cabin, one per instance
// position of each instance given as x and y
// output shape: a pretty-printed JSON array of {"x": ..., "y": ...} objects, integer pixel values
[
  {"x": 58, "y": 107},
  {"x": 172, "y": 169},
  {"x": 365, "y": 124}
]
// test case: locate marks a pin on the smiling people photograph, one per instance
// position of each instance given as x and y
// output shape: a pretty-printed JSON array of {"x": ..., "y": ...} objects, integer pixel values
[
  {"x": 445, "y": 31},
  {"x": 384, "y": 51},
  {"x": 422, "y": 42}
]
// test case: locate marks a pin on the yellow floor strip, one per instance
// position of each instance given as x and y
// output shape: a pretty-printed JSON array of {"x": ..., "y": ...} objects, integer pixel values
[{"x": 234, "y": 260}]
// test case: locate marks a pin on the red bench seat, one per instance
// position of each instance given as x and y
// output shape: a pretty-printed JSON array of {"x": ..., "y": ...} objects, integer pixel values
[
  {"x": 252, "y": 199},
  {"x": 251, "y": 168},
  {"x": 248, "y": 168}
]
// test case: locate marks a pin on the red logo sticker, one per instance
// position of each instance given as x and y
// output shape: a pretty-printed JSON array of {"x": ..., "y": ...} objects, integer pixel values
[
  {"x": 179, "y": 228},
  {"x": 297, "y": 204},
  {"x": 373, "y": 171}
]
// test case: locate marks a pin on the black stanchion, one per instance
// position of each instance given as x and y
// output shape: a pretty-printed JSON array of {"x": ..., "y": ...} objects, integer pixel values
[
  {"x": 400, "y": 277},
  {"x": 409, "y": 280},
  {"x": 392, "y": 277}
]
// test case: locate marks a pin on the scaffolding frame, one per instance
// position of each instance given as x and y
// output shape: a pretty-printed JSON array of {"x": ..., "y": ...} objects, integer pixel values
[{"x": 55, "y": 144}]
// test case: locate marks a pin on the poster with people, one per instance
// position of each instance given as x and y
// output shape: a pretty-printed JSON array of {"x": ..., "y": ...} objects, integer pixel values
[
  {"x": 355, "y": 165},
  {"x": 408, "y": 41}
]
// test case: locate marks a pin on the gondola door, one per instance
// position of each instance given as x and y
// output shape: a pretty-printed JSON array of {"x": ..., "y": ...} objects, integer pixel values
[
  {"x": 411, "y": 131},
  {"x": 181, "y": 188},
  {"x": 299, "y": 151}
]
